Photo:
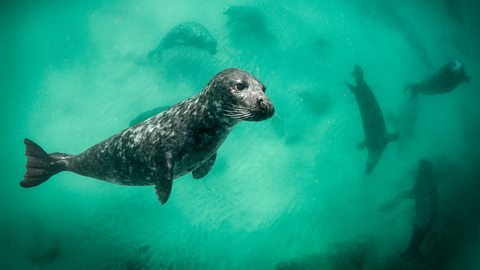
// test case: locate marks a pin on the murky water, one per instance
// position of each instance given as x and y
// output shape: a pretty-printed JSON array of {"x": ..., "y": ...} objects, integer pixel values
[{"x": 289, "y": 192}]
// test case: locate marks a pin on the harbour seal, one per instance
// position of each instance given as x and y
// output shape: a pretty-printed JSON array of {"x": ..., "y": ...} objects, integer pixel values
[
  {"x": 192, "y": 34},
  {"x": 376, "y": 135},
  {"x": 180, "y": 140},
  {"x": 426, "y": 209},
  {"x": 443, "y": 81}
]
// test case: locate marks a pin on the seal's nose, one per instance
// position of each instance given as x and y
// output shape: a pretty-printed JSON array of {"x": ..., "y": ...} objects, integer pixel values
[{"x": 266, "y": 107}]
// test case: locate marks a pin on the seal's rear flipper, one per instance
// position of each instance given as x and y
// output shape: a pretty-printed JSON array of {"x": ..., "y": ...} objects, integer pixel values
[
  {"x": 154, "y": 56},
  {"x": 358, "y": 72},
  {"x": 40, "y": 165},
  {"x": 204, "y": 168}
]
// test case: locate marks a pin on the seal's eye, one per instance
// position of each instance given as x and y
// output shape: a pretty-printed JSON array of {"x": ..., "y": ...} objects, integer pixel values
[
  {"x": 264, "y": 88},
  {"x": 241, "y": 86}
]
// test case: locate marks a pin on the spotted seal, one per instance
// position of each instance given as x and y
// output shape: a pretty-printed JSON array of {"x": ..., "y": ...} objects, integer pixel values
[
  {"x": 443, "y": 81},
  {"x": 183, "y": 139},
  {"x": 376, "y": 135}
]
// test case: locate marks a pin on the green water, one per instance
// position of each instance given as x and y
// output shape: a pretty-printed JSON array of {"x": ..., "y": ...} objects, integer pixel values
[{"x": 291, "y": 188}]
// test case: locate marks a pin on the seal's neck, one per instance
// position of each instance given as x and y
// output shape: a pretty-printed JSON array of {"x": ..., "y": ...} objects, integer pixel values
[{"x": 213, "y": 110}]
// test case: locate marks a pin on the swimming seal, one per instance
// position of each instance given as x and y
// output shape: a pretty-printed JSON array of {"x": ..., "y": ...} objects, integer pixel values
[
  {"x": 426, "y": 209},
  {"x": 190, "y": 34},
  {"x": 443, "y": 81},
  {"x": 183, "y": 139},
  {"x": 376, "y": 135}
]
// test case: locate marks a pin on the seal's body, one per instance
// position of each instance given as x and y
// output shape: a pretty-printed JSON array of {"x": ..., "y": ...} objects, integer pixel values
[
  {"x": 443, "y": 81},
  {"x": 190, "y": 34},
  {"x": 376, "y": 135},
  {"x": 426, "y": 209},
  {"x": 182, "y": 139}
]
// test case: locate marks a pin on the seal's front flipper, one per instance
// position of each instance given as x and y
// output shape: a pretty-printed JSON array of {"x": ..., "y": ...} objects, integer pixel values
[
  {"x": 391, "y": 137},
  {"x": 204, "y": 168},
  {"x": 413, "y": 91},
  {"x": 361, "y": 145},
  {"x": 350, "y": 86},
  {"x": 393, "y": 203},
  {"x": 163, "y": 189},
  {"x": 389, "y": 205},
  {"x": 164, "y": 182}
]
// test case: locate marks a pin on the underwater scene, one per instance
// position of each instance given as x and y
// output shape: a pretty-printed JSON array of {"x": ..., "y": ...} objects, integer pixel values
[{"x": 155, "y": 134}]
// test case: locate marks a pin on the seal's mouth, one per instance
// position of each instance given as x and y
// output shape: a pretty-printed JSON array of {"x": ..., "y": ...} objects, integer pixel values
[{"x": 264, "y": 111}]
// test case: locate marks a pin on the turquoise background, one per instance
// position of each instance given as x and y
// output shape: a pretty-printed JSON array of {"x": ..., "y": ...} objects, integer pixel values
[{"x": 73, "y": 73}]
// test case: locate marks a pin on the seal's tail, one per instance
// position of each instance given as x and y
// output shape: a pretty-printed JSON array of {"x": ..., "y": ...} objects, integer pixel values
[{"x": 40, "y": 165}]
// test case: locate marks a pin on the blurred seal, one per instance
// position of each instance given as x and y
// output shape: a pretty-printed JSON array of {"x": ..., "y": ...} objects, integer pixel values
[
  {"x": 191, "y": 34},
  {"x": 443, "y": 81},
  {"x": 376, "y": 135}
]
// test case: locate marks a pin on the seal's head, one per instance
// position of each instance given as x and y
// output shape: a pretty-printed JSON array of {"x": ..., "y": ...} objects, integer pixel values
[
  {"x": 238, "y": 95},
  {"x": 457, "y": 68}
]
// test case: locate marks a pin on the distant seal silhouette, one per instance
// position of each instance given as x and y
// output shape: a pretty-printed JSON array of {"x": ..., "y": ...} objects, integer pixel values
[
  {"x": 247, "y": 22},
  {"x": 426, "y": 208},
  {"x": 182, "y": 139},
  {"x": 192, "y": 34},
  {"x": 443, "y": 81},
  {"x": 376, "y": 135}
]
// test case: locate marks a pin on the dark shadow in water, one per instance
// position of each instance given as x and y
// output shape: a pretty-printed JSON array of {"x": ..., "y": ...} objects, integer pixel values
[
  {"x": 342, "y": 256},
  {"x": 248, "y": 30},
  {"x": 140, "y": 260},
  {"x": 454, "y": 9},
  {"x": 48, "y": 256},
  {"x": 384, "y": 11}
]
